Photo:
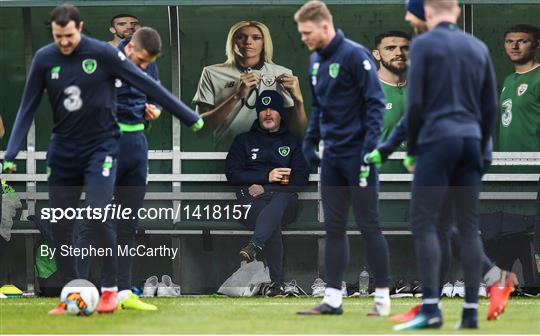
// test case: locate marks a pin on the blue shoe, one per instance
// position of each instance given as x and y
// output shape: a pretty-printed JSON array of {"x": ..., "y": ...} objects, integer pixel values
[
  {"x": 467, "y": 324},
  {"x": 421, "y": 321}
]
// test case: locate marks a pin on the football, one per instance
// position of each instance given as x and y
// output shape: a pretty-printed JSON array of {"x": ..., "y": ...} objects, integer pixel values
[{"x": 80, "y": 296}]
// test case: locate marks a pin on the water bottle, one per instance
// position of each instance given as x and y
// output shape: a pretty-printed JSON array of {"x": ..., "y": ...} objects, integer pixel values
[{"x": 363, "y": 282}]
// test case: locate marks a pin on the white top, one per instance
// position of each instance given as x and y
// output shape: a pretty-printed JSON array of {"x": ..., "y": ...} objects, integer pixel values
[{"x": 219, "y": 81}]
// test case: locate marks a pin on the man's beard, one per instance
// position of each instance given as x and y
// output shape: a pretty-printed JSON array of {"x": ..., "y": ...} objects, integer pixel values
[{"x": 393, "y": 69}]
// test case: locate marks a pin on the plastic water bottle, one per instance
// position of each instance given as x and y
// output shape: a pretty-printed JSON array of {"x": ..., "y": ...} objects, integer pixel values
[{"x": 363, "y": 282}]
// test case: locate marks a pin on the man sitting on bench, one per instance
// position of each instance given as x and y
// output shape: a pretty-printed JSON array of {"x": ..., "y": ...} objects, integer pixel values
[{"x": 267, "y": 163}]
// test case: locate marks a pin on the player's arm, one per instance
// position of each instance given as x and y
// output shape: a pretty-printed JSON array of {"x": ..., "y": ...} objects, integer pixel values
[
  {"x": 33, "y": 90},
  {"x": 299, "y": 167},
  {"x": 365, "y": 73},
  {"x": 415, "y": 103},
  {"x": 395, "y": 139},
  {"x": 131, "y": 74},
  {"x": 153, "y": 109},
  {"x": 235, "y": 167},
  {"x": 490, "y": 105},
  {"x": 313, "y": 133}
]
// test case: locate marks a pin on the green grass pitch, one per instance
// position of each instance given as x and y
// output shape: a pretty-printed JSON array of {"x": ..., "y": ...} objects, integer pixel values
[{"x": 222, "y": 315}]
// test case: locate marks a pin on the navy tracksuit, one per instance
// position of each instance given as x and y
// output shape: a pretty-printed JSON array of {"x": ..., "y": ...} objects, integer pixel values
[
  {"x": 451, "y": 107},
  {"x": 347, "y": 113},
  {"x": 83, "y": 149},
  {"x": 131, "y": 175},
  {"x": 448, "y": 237},
  {"x": 250, "y": 159}
]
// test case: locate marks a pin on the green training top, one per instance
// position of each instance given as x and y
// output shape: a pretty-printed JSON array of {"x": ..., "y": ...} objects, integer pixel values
[
  {"x": 519, "y": 128},
  {"x": 394, "y": 96}
]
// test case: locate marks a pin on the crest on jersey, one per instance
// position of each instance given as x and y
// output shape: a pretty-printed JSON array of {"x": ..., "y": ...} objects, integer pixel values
[
  {"x": 521, "y": 89},
  {"x": 55, "y": 72},
  {"x": 268, "y": 80},
  {"x": 333, "y": 70},
  {"x": 89, "y": 65},
  {"x": 284, "y": 150},
  {"x": 266, "y": 101}
]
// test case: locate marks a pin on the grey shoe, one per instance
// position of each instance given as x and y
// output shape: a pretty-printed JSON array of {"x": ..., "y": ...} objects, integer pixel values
[
  {"x": 150, "y": 286},
  {"x": 166, "y": 288}
]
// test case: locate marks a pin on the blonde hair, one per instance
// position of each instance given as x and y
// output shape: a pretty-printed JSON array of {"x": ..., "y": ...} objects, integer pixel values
[
  {"x": 268, "y": 47},
  {"x": 441, "y": 5},
  {"x": 315, "y": 11}
]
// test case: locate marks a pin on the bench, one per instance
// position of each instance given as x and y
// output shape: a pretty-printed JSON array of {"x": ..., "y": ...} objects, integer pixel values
[{"x": 177, "y": 227}]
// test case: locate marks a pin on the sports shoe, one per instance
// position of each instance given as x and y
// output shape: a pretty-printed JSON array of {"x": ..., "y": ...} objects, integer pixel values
[
  {"x": 249, "y": 253},
  {"x": 292, "y": 289},
  {"x": 275, "y": 289},
  {"x": 459, "y": 289},
  {"x": 380, "y": 308},
  {"x": 416, "y": 288},
  {"x": 150, "y": 286},
  {"x": 322, "y": 309},
  {"x": 499, "y": 293},
  {"x": 467, "y": 324},
  {"x": 2, "y": 296},
  {"x": 108, "y": 302},
  {"x": 318, "y": 288},
  {"x": 421, "y": 321},
  {"x": 482, "y": 292},
  {"x": 133, "y": 302},
  {"x": 59, "y": 309},
  {"x": 400, "y": 290},
  {"x": 344, "y": 289},
  {"x": 447, "y": 290},
  {"x": 407, "y": 316},
  {"x": 166, "y": 288}
]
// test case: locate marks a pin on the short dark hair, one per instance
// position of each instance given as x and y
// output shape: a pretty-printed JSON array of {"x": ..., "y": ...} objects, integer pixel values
[
  {"x": 122, "y": 15},
  {"x": 527, "y": 29},
  {"x": 65, "y": 13},
  {"x": 391, "y": 33},
  {"x": 148, "y": 39}
]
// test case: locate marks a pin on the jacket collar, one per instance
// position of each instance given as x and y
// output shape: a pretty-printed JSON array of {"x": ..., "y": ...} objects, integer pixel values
[{"x": 333, "y": 45}]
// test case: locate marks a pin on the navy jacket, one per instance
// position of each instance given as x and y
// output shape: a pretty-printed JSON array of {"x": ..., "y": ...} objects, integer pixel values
[
  {"x": 130, "y": 101},
  {"x": 255, "y": 153},
  {"x": 451, "y": 88},
  {"x": 348, "y": 102},
  {"x": 82, "y": 93}
]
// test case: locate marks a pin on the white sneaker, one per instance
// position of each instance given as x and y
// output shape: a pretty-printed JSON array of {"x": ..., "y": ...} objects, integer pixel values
[
  {"x": 344, "y": 289},
  {"x": 166, "y": 288},
  {"x": 447, "y": 290},
  {"x": 380, "y": 308},
  {"x": 318, "y": 287},
  {"x": 482, "y": 290},
  {"x": 150, "y": 286},
  {"x": 459, "y": 289},
  {"x": 2, "y": 296}
]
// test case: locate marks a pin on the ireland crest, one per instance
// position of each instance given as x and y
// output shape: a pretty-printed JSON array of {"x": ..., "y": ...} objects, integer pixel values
[
  {"x": 266, "y": 101},
  {"x": 521, "y": 89},
  {"x": 333, "y": 70},
  {"x": 284, "y": 150},
  {"x": 89, "y": 65}
]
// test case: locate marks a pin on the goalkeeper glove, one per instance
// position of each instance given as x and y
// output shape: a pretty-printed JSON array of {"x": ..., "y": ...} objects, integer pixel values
[
  {"x": 374, "y": 158},
  {"x": 197, "y": 126},
  {"x": 9, "y": 167},
  {"x": 409, "y": 163}
]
